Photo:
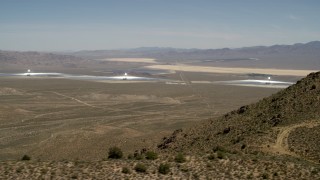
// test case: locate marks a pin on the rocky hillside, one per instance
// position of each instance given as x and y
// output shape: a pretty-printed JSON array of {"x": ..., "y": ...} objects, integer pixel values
[{"x": 261, "y": 127}]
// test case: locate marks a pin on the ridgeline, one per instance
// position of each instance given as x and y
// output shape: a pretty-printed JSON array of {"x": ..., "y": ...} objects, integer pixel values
[{"x": 266, "y": 126}]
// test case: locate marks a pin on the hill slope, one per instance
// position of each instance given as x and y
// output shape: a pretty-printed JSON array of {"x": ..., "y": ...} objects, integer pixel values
[{"x": 270, "y": 125}]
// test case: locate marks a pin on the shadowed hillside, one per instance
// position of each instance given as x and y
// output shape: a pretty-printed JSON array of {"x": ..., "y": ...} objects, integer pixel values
[{"x": 264, "y": 126}]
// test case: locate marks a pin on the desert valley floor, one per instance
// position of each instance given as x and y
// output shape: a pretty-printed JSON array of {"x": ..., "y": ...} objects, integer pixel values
[{"x": 54, "y": 119}]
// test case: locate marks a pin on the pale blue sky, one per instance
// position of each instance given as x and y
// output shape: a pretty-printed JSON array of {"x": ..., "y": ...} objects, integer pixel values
[{"x": 54, "y": 25}]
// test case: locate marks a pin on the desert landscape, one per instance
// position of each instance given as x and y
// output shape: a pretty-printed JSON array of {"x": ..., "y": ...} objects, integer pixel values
[
  {"x": 132, "y": 60},
  {"x": 234, "y": 70},
  {"x": 54, "y": 113},
  {"x": 137, "y": 89},
  {"x": 67, "y": 126}
]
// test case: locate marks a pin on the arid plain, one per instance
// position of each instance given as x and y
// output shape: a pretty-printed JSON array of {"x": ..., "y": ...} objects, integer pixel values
[{"x": 52, "y": 118}]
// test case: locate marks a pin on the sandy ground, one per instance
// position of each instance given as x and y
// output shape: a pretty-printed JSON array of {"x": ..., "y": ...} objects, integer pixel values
[
  {"x": 247, "y": 85},
  {"x": 182, "y": 67},
  {"x": 124, "y": 81},
  {"x": 262, "y": 86},
  {"x": 139, "y": 60},
  {"x": 64, "y": 119}
]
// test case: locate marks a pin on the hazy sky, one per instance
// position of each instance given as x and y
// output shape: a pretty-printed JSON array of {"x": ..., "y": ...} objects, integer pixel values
[{"x": 50, "y": 25}]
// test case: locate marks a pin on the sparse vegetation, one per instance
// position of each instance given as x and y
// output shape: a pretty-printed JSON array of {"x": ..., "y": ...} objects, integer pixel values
[
  {"x": 180, "y": 158},
  {"x": 184, "y": 169},
  {"x": 74, "y": 177},
  {"x": 211, "y": 157},
  {"x": 195, "y": 176},
  {"x": 150, "y": 155},
  {"x": 265, "y": 176},
  {"x": 243, "y": 146},
  {"x": 221, "y": 155},
  {"x": 141, "y": 168},
  {"x": 139, "y": 157},
  {"x": 115, "y": 153},
  {"x": 315, "y": 171},
  {"x": 130, "y": 156},
  {"x": 25, "y": 158},
  {"x": 164, "y": 168},
  {"x": 252, "y": 125},
  {"x": 218, "y": 148},
  {"x": 126, "y": 170},
  {"x": 197, "y": 167}
]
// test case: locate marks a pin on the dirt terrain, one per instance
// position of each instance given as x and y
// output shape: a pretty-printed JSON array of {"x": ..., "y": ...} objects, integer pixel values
[
  {"x": 54, "y": 119},
  {"x": 222, "y": 132},
  {"x": 282, "y": 145},
  {"x": 131, "y": 60},
  {"x": 234, "y": 70},
  {"x": 67, "y": 126}
]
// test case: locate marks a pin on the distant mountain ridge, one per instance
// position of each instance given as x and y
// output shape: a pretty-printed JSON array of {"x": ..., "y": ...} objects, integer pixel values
[
  {"x": 298, "y": 47},
  {"x": 296, "y": 56}
]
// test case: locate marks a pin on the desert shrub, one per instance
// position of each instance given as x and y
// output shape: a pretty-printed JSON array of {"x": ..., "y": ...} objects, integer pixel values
[
  {"x": 126, "y": 170},
  {"x": 44, "y": 171},
  {"x": 221, "y": 155},
  {"x": 130, "y": 156},
  {"x": 151, "y": 155},
  {"x": 184, "y": 169},
  {"x": 115, "y": 153},
  {"x": 243, "y": 146},
  {"x": 255, "y": 159},
  {"x": 237, "y": 140},
  {"x": 195, "y": 176},
  {"x": 74, "y": 177},
  {"x": 314, "y": 171},
  {"x": 211, "y": 157},
  {"x": 265, "y": 176},
  {"x": 25, "y": 158},
  {"x": 218, "y": 148},
  {"x": 19, "y": 170},
  {"x": 140, "y": 168},
  {"x": 164, "y": 168},
  {"x": 209, "y": 165},
  {"x": 139, "y": 157},
  {"x": 226, "y": 130},
  {"x": 180, "y": 158}
]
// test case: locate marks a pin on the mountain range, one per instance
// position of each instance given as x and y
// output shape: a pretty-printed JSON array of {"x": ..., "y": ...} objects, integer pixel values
[{"x": 296, "y": 56}]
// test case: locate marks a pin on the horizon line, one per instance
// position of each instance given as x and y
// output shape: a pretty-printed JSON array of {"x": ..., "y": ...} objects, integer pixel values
[{"x": 158, "y": 47}]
